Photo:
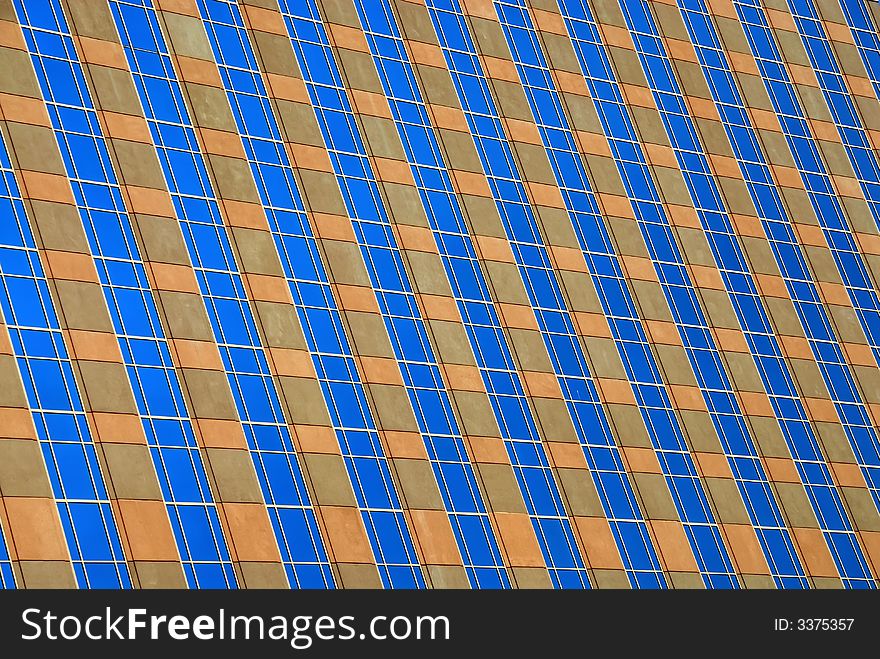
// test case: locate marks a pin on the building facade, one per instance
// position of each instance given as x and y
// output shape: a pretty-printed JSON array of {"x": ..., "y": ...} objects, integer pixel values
[{"x": 439, "y": 293}]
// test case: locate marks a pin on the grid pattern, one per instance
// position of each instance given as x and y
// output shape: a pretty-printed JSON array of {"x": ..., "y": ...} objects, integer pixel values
[
  {"x": 56, "y": 406},
  {"x": 799, "y": 434},
  {"x": 641, "y": 367},
  {"x": 679, "y": 292},
  {"x": 440, "y": 293},
  {"x": 470, "y": 289},
  {"x": 579, "y": 390},
  {"x": 145, "y": 352},
  {"x": 222, "y": 289},
  {"x": 847, "y": 398}
]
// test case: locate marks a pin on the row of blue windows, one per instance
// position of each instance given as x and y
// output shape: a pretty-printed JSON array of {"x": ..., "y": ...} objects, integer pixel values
[
  {"x": 742, "y": 289},
  {"x": 56, "y": 406},
  {"x": 571, "y": 176},
  {"x": 743, "y": 457},
  {"x": 125, "y": 286},
  {"x": 132, "y": 307},
  {"x": 421, "y": 374},
  {"x": 542, "y": 286},
  {"x": 858, "y": 148},
  {"x": 675, "y": 283},
  {"x": 310, "y": 289},
  {"x": 468, "y": 284},
  {"x": 222, "y": 289},
  {"x": 866, "y": 36},
  {"x": 800, "y": 436},
  {"x": 837, "y": 374}
]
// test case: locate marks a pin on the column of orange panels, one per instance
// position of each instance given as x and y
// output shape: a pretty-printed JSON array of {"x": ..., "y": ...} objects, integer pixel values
[
  {"x": 302, "y": 137},
  {"x": 386, "y": 524},
  {"x": 599, "y": 537},
  {"x": 628, "y": 370},
  {"x": 434, "y": 537},
  {"x": 782, "y": 277},
  {"x": 100, "y": 410}
]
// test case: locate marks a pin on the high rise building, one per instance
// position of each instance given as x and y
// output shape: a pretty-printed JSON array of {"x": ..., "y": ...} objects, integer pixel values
[{"x": 440, "y": 293}]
